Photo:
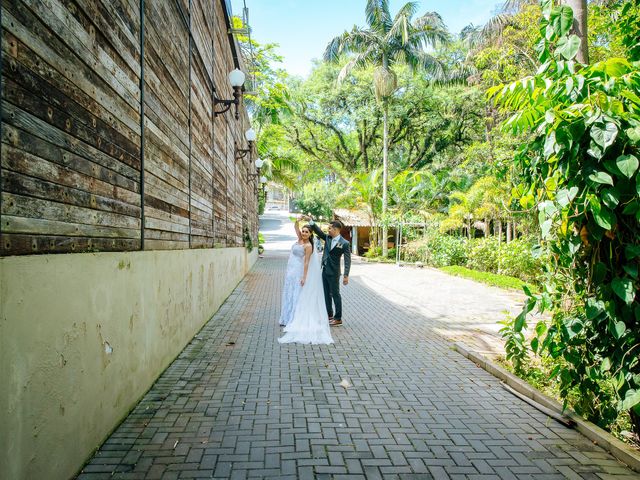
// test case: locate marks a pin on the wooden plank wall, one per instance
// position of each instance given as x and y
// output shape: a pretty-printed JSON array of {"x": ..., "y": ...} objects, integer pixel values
[{"x": 76, "y": 159}]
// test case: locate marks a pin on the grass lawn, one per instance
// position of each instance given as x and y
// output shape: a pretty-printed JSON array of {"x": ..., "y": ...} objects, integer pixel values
[{"x": 497, "y": 280}]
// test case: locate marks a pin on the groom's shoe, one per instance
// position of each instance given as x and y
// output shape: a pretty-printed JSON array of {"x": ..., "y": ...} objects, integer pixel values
[{"x": 335, "y": 322}]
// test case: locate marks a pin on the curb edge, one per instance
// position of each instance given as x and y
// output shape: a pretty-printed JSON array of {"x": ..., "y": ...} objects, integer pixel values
[{"x": 616, "y": 447}]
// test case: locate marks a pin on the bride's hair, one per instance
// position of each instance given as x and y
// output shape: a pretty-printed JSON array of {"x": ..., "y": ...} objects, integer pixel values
[{"x": 308, "y": 227}]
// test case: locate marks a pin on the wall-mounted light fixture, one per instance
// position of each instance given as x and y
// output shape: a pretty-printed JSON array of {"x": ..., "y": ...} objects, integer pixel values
[
  {"x": 256, "y": 176},
  {"x": 236, "y": 79},
  {"x": 251, "y": 136}
]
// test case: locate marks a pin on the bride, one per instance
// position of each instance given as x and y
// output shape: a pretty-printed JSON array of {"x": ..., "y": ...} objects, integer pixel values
[{"x": 309, "y": 322}]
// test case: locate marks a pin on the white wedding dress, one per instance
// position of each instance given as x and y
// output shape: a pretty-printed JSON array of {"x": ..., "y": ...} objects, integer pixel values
[{"x": 310, "y": 323}]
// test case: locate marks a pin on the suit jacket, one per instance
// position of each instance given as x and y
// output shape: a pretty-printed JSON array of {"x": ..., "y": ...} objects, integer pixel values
[{"x": 331, "y": 256}]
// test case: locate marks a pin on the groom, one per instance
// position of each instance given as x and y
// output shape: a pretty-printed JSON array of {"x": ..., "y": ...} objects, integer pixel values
[{"x": 334, "y": 247}]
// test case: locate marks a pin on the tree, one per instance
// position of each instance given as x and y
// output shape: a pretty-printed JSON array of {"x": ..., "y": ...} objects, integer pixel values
[
  {"x": 579, "y": 9},
  {"x": 387, "y": 41}
]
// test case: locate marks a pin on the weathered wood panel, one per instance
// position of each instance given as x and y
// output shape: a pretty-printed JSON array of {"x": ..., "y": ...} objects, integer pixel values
[
  {"x": 201, "y": 126},
  {"x": 223, "y": 127},
  {"x": 166, "y": 96},
  {"x": 70, "y": 129},
  {"x": 75, "y": 148}
]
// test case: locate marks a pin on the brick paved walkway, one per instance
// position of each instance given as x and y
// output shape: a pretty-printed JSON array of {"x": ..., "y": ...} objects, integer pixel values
[{"x": 236, "y": 404}]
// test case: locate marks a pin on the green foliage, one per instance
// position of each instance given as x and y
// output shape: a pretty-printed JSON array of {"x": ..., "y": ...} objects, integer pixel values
[
  {"x": 495, "y": 279},
  {"x": 515, "y": 345},
  {"x": 373, "y": 252},
  {"x": 507, "y": 50},
  {"x": 248, "y": 241},
  {"x": 514, "y": 259},
  {"x": 437, "y": 250},
  {"x": 580, "y": 171},
  {"x": 318, "y": 199},
  {"x": 614, "y": 29},
  {"x": 483, "y": 200}
]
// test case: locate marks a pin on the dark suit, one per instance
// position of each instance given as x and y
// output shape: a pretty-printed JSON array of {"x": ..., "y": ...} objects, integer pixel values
[{"x": 331, "y": 270}]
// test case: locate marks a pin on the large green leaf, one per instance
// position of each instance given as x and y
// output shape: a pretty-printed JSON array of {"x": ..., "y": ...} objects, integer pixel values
[
  {"x": 634, "y": 134},
  {"x": 602, "y": 215},
  {"x": 610, "y": 197},
  {"x": 631, "y": 269},
  {"x": 568, "y": 47},
  {"x": 601, "y": 177},
  {"x": 594, "y": 308},
  {"x": 632, "y": 251},
  {"x": 561, "y": 19},
  {"x": 565, "y": 196},
  {"x": 627, "y": 164},
  {"x": 631, "y": 208},
  {"x": 615, "y": 67},
  {"x": 617, "y": 329},
  {"x": 519, "y": 323},
  {"x": 623, "y": 287},
  {"x": 631, "y": 399},
  {"x": 604, "y": 134}
]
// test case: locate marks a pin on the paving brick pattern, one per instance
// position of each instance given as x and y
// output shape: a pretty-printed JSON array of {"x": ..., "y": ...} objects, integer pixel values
[{"x": 236, "y": 404}]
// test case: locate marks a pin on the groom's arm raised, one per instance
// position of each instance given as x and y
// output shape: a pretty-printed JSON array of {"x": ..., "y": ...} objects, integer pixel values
[{"x": 316, "y": 229}]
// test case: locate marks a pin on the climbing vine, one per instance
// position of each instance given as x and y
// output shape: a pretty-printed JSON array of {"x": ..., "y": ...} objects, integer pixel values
[{"x": 580, "y": 174}]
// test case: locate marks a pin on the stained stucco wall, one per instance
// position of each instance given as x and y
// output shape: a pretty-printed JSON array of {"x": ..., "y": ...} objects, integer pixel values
[{"x": 83, "y": 336}]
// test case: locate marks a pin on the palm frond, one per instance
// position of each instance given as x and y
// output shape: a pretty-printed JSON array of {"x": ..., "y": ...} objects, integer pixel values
[
  {"x": 401, "y": 26},
  {"x": 418, "y": 60},
  {"x": 359, "y": 61},
  {"x": 430, "y": 21},
  {"x": 510, "y": 6},
  {"x": 355, "y": 41},
  {"x": 378, "y": 16},
  {"x": 461, "y": 74},
  {"x": 471, "y": 36},
  {"x": 496, "y": 25}
]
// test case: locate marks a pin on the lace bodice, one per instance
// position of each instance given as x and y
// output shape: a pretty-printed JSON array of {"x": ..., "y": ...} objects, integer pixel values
[{"x": 291, "y": 288}]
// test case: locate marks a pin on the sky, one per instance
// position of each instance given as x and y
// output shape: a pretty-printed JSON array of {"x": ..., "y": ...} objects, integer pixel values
[{"x": 303, "y": 28}]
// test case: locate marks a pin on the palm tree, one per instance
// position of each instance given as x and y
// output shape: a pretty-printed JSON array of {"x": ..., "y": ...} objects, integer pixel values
[{"x": 385, "y": 42}]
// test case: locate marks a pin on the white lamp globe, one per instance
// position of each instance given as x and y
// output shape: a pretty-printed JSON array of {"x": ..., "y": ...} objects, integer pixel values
[
  {"x": 236, "y": 78},
  {"x": 250, "y": 135},
  {"x": 263, "y": 179},
  {"x": 259, "y": 163}
]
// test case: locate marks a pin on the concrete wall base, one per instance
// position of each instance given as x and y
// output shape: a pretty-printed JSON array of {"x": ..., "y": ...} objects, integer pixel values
[{"x": 84, "y": 336}]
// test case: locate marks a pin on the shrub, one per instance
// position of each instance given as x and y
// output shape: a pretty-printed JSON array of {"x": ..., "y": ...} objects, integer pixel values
[
  {"x": 484, "y": 254},
  {"x": 514, "y": 259},
  {"x": 437, "y": 250},
  {"x": 373, "y": 252}
]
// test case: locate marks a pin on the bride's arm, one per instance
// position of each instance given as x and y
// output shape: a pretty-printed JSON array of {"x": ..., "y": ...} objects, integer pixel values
[
  {"x": 297, "y": 227},
  {"x": 308, "y": 250}
]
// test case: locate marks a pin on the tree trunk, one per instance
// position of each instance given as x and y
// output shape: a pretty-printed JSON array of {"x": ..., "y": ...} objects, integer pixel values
[
  {"x": 385, "y": 177},
  {"x": 508, "y": 231},
  {"x": 499, "y": 232},
  {"x": 579, "y": 8},
  {"x": 363, "y": 146}
]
